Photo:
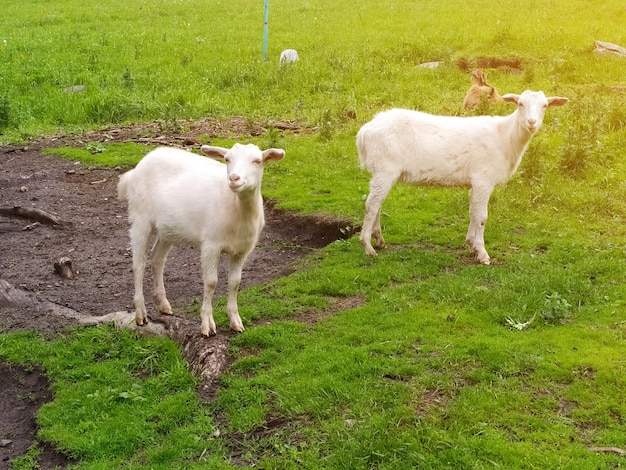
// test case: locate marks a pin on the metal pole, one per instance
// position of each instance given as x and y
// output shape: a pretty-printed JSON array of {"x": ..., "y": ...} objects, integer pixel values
[{"x": 265, "y": 30}]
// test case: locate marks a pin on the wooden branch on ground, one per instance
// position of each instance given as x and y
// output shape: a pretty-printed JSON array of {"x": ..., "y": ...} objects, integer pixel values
[
  {"x": 11, "y": 296},
  {"x": 31, "y": 213},
  {"x": 64, "y": 268},
  {"x": 614, "y": 450}
]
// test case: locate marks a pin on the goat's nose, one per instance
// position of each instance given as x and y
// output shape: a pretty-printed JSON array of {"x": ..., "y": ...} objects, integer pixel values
[
  {"x": 532, "y": 122},
  {"x": 234, "y": 177}
]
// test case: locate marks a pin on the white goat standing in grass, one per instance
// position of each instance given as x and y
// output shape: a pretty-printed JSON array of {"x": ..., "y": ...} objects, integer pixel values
[
  {"x": 423, "y": 149},
  {"x": 188, "y": 199}
]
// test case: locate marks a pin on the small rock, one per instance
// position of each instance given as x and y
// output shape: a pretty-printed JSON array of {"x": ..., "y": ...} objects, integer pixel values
[
  {"x": 5, "y": 442},
  {"x": 288, "y": 56},
  {"x": 75, "y": 89},
  {"x": 430, "y": 65}
]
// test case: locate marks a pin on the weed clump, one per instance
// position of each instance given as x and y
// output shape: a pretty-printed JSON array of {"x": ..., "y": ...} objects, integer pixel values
[
  {"x": 556, "y": 309},
  {"x": 5, "y": 111},
  {"x": 326, "y": 126}
]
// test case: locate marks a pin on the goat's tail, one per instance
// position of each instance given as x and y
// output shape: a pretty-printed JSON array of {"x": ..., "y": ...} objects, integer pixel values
[
  {"x": 122, "y": 185},
  {"x": 361, "y": 149}
]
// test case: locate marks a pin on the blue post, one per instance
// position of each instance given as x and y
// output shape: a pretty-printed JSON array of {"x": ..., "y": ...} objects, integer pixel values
[{"x": 265, "y": 28}]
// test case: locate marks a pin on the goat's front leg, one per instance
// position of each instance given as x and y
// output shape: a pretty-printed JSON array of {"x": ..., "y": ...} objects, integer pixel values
[
  {"x": 234, "y": 280},
  {"x": 479, "y": 201},
  {"x": 160, "y": 249},
  {"x": 210, "y": 261}
]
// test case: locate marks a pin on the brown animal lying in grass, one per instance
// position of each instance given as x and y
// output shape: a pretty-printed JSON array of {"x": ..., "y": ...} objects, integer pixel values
[{"x": 480, "y": 92}]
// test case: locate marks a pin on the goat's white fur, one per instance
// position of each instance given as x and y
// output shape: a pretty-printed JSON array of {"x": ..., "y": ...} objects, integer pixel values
[
  {"x": 478, "y": 152},
  {"x": 188, "y": 199}
]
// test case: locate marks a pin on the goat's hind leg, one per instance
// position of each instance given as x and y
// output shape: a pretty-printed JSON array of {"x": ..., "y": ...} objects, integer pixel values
[
  {"x": 139, "y": 240},
  {"x": 377, "y": 231},
  {"x": 380, "y": 185},
  {"x": 160, "y": 249},
  {"x": 479, "y": 201}
]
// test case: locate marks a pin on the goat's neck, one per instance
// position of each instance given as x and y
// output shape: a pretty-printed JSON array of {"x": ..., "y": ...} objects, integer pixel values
[
  {"x": 246, "y": 223},
  {"x": 517, "y": 138},
  {"x": 251, "y": 202}
]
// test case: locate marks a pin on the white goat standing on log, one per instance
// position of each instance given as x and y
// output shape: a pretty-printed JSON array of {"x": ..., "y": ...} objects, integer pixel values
[
  {"x": 424, "y": 149},
  {"x": 188, "y": 199}
]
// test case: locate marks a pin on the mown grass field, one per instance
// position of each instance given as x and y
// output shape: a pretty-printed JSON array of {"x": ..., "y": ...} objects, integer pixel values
[{"x": 426, "y": 369}]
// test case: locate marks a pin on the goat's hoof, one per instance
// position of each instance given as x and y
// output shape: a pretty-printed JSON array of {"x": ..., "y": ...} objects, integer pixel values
[
  {"x": 369, "y": 251},
  {"x": 141, "y": 321},
  {"x": 208, "y": 333},
  {"x": 238, "y": 328},
  {"x": 367, "y": 245},
  {"x": 166, "y": 311}
]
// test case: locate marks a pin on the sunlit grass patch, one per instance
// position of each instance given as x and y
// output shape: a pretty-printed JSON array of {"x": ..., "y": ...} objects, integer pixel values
[{"x": 125, "y": 155}]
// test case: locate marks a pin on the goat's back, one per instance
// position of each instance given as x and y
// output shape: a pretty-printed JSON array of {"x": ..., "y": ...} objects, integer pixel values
[
  {"x": 424, "y": 146},
  {"x": 170, "y": 171},
  {"x": 178, "y": 193}
]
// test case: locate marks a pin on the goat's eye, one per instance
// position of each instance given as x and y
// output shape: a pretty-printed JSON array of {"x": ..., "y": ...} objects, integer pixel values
[
  {"x": 257, "y": 162},
  {"x": 226, "y": 160},
  {"x": 521, "y": 105}
]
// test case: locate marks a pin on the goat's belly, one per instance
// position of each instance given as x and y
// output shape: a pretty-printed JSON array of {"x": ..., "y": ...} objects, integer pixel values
[
  {"x": 237, "y": 249},
  {"x": 178, "y": 238},
  {"x": 176, "y": 233},
  {"x": 432, "y": 178}
]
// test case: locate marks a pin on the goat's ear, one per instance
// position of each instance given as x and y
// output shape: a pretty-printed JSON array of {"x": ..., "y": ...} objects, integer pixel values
[
  {"x": 273, "y": 154},
  {"x": 213, "y": 151},
  {"x": 511, "y": 98},
  {"x": 557, "y": 101}
]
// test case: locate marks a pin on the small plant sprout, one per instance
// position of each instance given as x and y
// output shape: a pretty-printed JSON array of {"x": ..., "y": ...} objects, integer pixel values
[{"x": 517, "y": 325}]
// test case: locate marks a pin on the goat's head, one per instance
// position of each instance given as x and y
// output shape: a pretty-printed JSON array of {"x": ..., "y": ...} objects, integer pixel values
[
  {"x": 531, "y": 108},
  {"x": 478, "y": 77},
  {"x": 244, "y": 164}
]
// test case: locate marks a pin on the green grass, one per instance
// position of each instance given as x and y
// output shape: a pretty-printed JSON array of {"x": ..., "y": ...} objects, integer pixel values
[
  {"x": 163, "y": 60},
  {"x": 424, "y": 370},
  {"x": 117, "y": 397},
  {"x": 124, "y": 155}
]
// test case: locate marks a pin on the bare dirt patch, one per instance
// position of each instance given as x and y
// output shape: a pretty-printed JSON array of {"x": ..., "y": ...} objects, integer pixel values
[
  {"x": 94, "y": 234},
  {"x": 506, "y": 65}
]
